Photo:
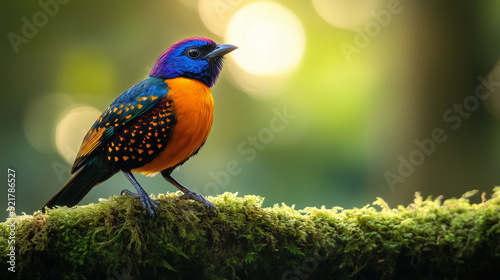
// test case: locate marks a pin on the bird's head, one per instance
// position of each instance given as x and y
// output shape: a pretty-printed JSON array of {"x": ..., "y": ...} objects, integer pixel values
[{"x": 196, "y": 58}]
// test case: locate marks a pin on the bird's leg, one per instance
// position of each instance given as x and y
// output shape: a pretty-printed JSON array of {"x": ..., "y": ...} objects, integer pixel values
[
  {"x": 147, "y": 202},
  {"x": 188, "y": 194}
]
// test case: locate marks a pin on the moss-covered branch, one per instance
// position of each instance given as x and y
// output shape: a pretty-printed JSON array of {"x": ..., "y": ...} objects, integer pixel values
[{"x": 114, "y": 239}]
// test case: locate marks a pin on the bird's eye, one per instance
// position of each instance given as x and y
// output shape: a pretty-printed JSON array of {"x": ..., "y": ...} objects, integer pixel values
[{"x": 193, "y": 52}]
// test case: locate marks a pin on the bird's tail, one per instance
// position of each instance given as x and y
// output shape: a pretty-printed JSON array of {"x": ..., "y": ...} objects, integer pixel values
[{"x": 78, "y": 186}]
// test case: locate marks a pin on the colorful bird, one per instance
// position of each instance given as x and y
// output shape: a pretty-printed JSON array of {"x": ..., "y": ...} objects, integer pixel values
[{"x": 153, "y": 127}]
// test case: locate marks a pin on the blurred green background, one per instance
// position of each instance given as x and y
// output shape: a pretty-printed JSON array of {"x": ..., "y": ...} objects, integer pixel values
[{"x": 363, "y": 80}]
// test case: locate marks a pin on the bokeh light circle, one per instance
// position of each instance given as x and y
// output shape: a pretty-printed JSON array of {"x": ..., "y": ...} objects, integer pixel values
[
  {"x": 486, "y": 93},
  {"x": 346, "y": 14},
  {"x": 215, "y": 15},
  {"x": 270, "y": 38},
  {"x": 72, "y": 128},
  {"x": 257, "y": 86},
  {"x": 39, "y": 120}
]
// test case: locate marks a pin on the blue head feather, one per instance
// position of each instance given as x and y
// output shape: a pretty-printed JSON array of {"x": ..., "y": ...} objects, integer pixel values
[{"x": 177, "y": 62}]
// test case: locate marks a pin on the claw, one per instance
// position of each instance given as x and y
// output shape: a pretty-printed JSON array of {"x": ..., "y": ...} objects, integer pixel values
[
  {"x": 198, "y": 197},
  {"x": 188, "y": 194},
  {"x": 147, "y": 202}
]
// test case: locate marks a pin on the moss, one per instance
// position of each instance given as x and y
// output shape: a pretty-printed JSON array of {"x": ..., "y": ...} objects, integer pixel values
[{"x": 429, "y": 239}]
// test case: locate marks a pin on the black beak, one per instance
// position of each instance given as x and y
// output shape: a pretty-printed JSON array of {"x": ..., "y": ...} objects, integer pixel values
[{"x": 221, "y": 50}]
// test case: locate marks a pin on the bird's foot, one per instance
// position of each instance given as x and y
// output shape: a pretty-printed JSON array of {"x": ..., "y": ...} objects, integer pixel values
[
  {"x": 147, "y": 202},
  {"x": 198, "y": 197}
]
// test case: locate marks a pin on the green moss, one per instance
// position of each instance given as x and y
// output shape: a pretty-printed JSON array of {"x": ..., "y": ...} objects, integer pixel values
[{"x": 429, "y": 239}]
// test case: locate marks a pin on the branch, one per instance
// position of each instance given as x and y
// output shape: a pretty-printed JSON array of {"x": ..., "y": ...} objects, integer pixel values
[{"x": 114, "y": 239}]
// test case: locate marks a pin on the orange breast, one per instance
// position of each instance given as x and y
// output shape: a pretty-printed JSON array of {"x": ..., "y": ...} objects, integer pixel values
[{"x": 194, "y": 108}]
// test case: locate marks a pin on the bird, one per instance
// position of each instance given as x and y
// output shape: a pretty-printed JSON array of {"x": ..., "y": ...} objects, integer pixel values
[{"x": 153, "y": 127}]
